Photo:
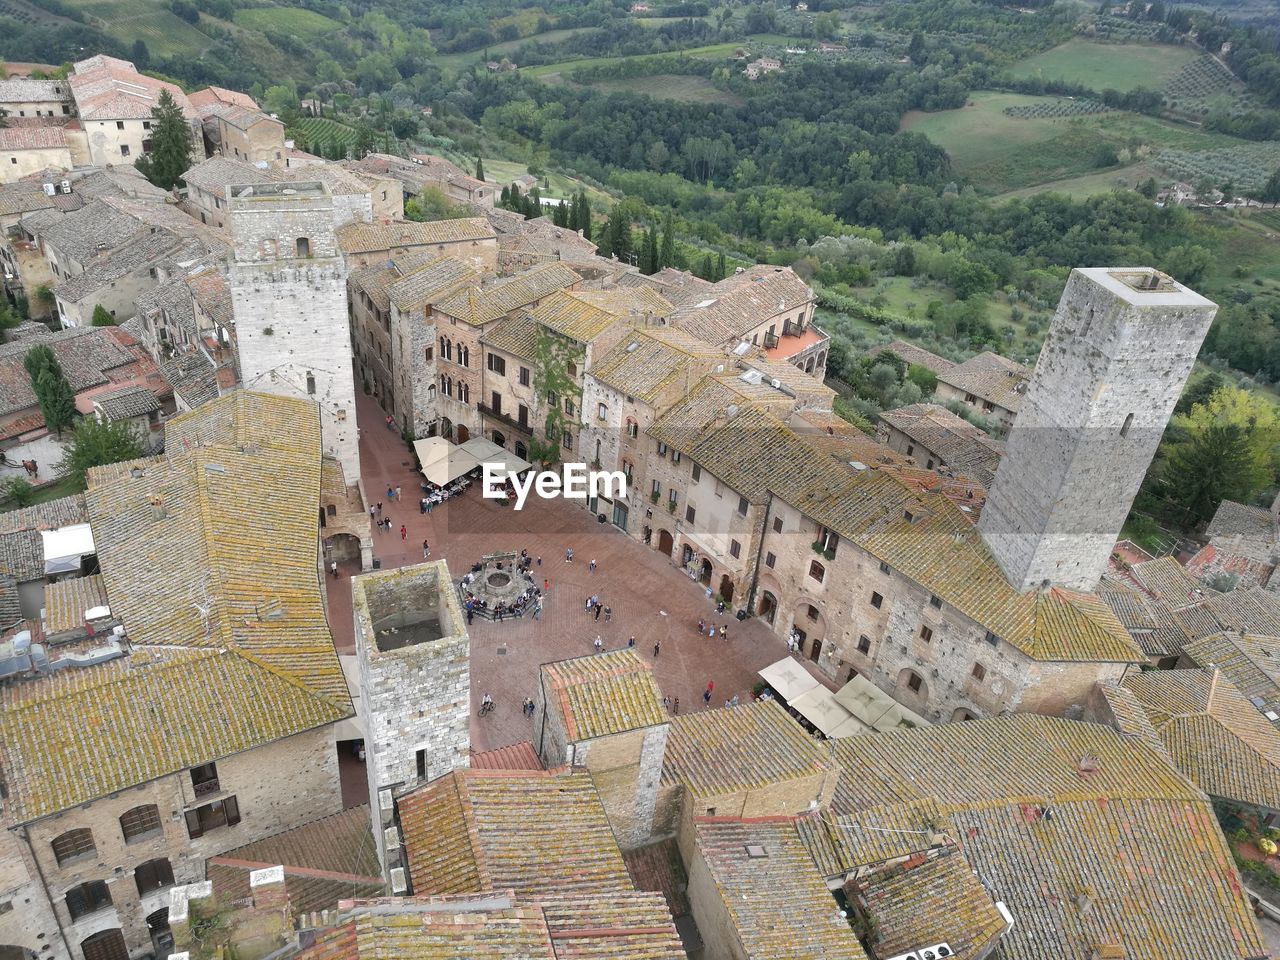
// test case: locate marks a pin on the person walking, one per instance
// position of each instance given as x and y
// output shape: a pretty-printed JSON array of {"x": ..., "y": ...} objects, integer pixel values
[
  {"x": 598, "y": 643},
  {"x": 711, "y": 631},
  {"x": 426, "y": 549},
  {"x": 706, "y": 698},
  {"x": 372, "y": 511},
  {"x": 404, "y": 532},
  {"x": 631, "y": 642},
  {"x": 391, "y": 493},
  {"x": 539, "y": 561},
  {"x": 598, "y": 608},
  {"x": 591, "y": 567},
  {"x": 608, "y": 614},
  {"x": 537, "y": 609},
  {"x": 702, "y": 626},
  {"x": 568, "y": 555},
  {"x": 379, "y": 508},
  {"x": 657, "y": 648},
  {"x": 398, "y": 497},
  {"x": 546, "y": 586},
  {"x": 711, "y": 685},
  {"x": 333, "y": 568},
  {"x": 724, "y": 631},
  {"x": 675, "y": 707}
]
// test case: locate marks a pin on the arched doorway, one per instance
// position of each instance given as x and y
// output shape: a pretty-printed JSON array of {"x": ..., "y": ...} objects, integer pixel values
[
  {"x": 704, "y": 577},
  {"x": 105, "y": 945},
  {"x": 768, "y": 607},
  {"x": 10, "y": 952},
  {"x": 161, "y": 935},
  {"x": 499, "y": 439},
  {"x": 446, "y": 428},
  {"x": 726, "y": 588},
  {"x": 665, "y": 543},
  {"x": 463, "y": 433},
  {"x": 815, "y": 648}
]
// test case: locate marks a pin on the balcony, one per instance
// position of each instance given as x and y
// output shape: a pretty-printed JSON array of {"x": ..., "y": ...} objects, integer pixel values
[
  {"x": 771, "y": 341},
  {"x": 524, "y": 426},
  {"x": 206, "y": 788},
  {"x": 796, "y": 340}
]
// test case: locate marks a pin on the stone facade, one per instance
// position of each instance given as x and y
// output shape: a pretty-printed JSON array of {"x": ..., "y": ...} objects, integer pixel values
[
  {"x": 288, "y": 285},
  {"x": 275, "y": 787},
  {"x": 250, "y": 136},
  {"x": 1112, "y": 367},
  {"x": 415, "y": 679},
  {"x": 27, "y": 921}
]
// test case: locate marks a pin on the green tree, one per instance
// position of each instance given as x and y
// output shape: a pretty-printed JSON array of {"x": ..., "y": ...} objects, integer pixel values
[
  {"x": 479, "y": 168},
  {"x": 667, "y": 252},
  {"x": 649, "y": 252},
  {"x": 721, "y": 267},
  {"x": 1270, "y": 192},
  {"x": 18, "y": 492},
  {"x": 57, "y": 399},
  {"x": 583, "y": 207},
  {"x": 96, "y": 443},
  {"x": 102, "y": 317},
  {"x": 1188, "y": 262},
  {"x": 170, "y": 155},
  {"x": 141, "y": 55},
  {"x": 1199, "y": 391},
  {"x": 432, "y": 204}
]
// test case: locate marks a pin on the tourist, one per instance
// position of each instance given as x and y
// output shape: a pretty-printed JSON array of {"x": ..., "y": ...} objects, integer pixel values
[
  {"x": 597, "y": 611},
  {"x": 711, "y": 631},
  {"x": 371, "y": 512},
  {"x": 391, "y": 424},
  {"x": 724, "y": 631},
  {"x": 657, "y": 648},
  {"x": 546, "y": 586},
  {"x": 333, "y": 568},
  {"x": 608, "y": 614},
  {"x": 537, "y": 609},
  {"x": 591, "y": 567},
  {"x": 675, "y": 707},
  {"x": 397, "y": 492},
  {"x": 391, "y": 493},
  {"x": 706, "y": 698},
  {"x": 598, "y": 643},
  {"x": 379, "y": 508},
  {"x": 568, "y": 555},
  {"x": 587, "y": 606},
  {"x": 426, "y": 549},
  {"x": 702, "y": 627},
  {"x": 539, "y": 561},
  {"x": 711, "y": 685},
  {"x": 734, "y": 701},
  {"x": 595, "y": 600},
  {"x": 631, "y": 642},
  {"x": 422, "y": 505}
]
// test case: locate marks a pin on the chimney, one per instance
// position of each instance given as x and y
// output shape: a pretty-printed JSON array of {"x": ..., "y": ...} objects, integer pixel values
[
  {"x": 267, "y": 888},
  {"x": 158, "y": 511}
]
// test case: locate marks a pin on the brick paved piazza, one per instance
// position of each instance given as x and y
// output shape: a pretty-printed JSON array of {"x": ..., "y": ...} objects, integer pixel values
[{"x": 651, "y": 598}]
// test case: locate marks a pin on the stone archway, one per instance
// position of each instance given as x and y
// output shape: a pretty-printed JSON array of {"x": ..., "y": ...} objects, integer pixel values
[
  {"x": 665, "y": 543},
  {"x": 768, "y": 607},
  {"x": 10, "y": 951},
  {"x": 446, "y": 428},
  {"x": 912, "y": 690},
  {"x": 704, "y": 573},
  {"x": 463, "y": 433},
  {"x": 726, "y": 588},
  {"x": 499, "y": 439}
]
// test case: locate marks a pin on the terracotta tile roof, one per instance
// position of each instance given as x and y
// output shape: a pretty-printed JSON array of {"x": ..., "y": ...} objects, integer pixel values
[
  {"x": 33, "y": 138},
  {"x": 62, "y": 512},
  {"x": 361, "y": 237},
  {"x": 87, "y": 357},
  {"x": 1067, "y": 823},
  {"x": 480, "y": 305},
  {"x": 242, "y": 118},
  {"x": 872, "y": 835},
  {"x": 621, "y": 924},
  {"x": 211, "y": 95},
  {"x": 231, "y": 648},
  {"x": 324, "y": 861},
  {"x": 23, "y": 197},
  {"x": 422, "y": 283},
  {"x": 642, "y": 365},
  {"x": 777, "y": 904},
  {"x": 210, "y": 290},
  {"x": 1148, "y": 619},
  {"x": 938, "y": 901},
  {"x": 1168, "y": 580},
  {"x": 27, "y": 90},
  {"x": 584, "y": 315},
  {"x": 910, "y": 353},
  {"x": 739, "y": 748},
  {"x": 131, "y": 401},
  {"x": 65, "y": 602},
  {"x": 1250, "y": 662},
  {"x": 738, "y": 304},
  {"x": 958, "y": 443},
  {"x": 1233, "y": 519},
  {"x": 535, "y": 833},
  {"x": 217, "y": 173},
  {"x": 109, "y": 89},
  {"x": 603, "y": 694},
  {"x": 1218, "y": 739},
  {"x": 372, "y": 281},
  {"x": 989, "y": 376},
  {"x": 1130, "y": 717},
  {"x": 516, "y": 335},
  {"x": 192, "y": 377},
  {"x": 518, "y": 756}
]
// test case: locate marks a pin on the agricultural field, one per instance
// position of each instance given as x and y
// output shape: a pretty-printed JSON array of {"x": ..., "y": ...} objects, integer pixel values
[
  {"x": 501, "y": 172},
  {"x": 294, "y": 21},
  {"x": 671, "y": 86},
  {"x": 1247, "y": 165},
  {"x": 1005, "y": 142},
  {"x": 1205, "y": 84},
  {"x": 1104, "y": 181},
  {"x": 455, "y": 62},
  {"x": 321, "y": 130},
  {"x": 164, "y": 33},
  {"x": 554, "y": 72},
  {"x": 1103, "y": 66}
]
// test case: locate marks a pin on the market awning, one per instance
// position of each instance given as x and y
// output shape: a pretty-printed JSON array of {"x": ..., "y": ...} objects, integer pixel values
[
  {"x": 64, "y": 547},
  {"x": 820, "y": 708},
  {"x": 486, "y": 451},
  {"x": 874, "y": 707},
  {"x": 788, "y": 679},
  {"x": 443, "y": 462}
]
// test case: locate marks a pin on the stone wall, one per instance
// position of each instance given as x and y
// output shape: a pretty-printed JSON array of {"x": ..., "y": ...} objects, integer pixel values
[
  {"x": 27, "y": 919},
  {"x": 626, "y": 769},
  {"x": 277, "y": 787},
  {"x": 1111, "y": 369}
]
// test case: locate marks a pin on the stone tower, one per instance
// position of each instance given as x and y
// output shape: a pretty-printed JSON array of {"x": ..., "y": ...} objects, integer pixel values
[
  {"x": 288, "y": 288},
  {"x": 1113, "y": 365}
]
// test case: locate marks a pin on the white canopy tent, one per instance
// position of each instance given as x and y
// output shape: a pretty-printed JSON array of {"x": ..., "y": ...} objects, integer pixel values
[
  {"x": 486, "y": 451},
  {"x": 788, "y": 679},
  {"x": 820, "y": 708},
  {"x": 443, "y": 462},
  {"x": 874, "y": 708},
  {"x": 65, "y": 547}
]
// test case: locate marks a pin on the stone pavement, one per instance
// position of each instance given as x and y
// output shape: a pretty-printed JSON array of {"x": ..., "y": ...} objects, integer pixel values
[{"x": 651, "y": 598}]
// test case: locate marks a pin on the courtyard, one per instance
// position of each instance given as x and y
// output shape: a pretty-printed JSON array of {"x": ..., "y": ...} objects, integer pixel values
[{"x": 649, "y": 597}]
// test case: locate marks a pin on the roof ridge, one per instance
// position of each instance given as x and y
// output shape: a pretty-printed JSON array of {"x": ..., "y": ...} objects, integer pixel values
[{"x": 296, "y": 681}]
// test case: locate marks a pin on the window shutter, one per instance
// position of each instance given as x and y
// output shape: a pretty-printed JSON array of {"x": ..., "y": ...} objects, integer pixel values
[
  {"x": 233, "y": 811},
  {"x": 193, "y": 824}
]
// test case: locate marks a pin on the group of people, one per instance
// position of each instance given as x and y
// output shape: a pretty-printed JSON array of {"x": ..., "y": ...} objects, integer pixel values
[
  {"x": 593, "y": 603},
  {"x": 709, "y": 629},
  {"x": 434, "y": 495},
  {"x": 529, "y": 598}
]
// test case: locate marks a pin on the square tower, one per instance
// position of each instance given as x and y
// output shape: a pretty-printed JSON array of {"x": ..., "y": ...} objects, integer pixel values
[
  {"x": 289, "y": 295},
  {"x": 1117, "y": 355}
]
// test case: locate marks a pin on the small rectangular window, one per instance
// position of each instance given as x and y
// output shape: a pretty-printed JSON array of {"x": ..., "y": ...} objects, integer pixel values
[
  {"x": 770, "y": 559},
  {"x": 119, "y": 124},
  {"x": 876, "y": 600},
  {"x": 656, "y": 488},
  {"x": 420, "y": 758},
  {"x": 662, "y": 449},
  {"x": 743, "y": 506},
  {"x": 864, "y": 644},
  {"x": 777, "y": 524},
  {"x": 524, "y": 376},
  {"x": 689, "y": 513},
  {"x": 602, "y": 412},
  {"x": 568, "y": 440},
  {"x": 926, "y": 634},
  {"x": 884, "y": 567},
  {"x": 697, "y": 473},
  {"x": 992, "y": 639},
  {"x": 735, "y": 549},
  {"x": 935, "y": 601},
  {"x": 672, "y": 496},
  {"x": 811, "y": 612},
  {"x": 979, "y": 671}
]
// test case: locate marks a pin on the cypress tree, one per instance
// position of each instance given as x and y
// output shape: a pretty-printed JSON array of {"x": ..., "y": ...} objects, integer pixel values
[
  {"x": 170, "y": 155},
  {"x": 505, "y": 198},
  {"x": 649, "y": 260},
  {"x": 720, "y": 267},
  {"x": 57, "y": 399},
  {"x": 584, "y": 214},
  {"x": 479, "y": 169},
  {"x": 708, "y": 267},
  {"x": 667, "y": 253}
]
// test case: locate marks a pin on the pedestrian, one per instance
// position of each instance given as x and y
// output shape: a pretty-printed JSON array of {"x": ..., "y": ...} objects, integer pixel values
[
  {"x": 702, "y": 626},
  {"x": 546, "y": 585},
  {"x": 404, "y": 532},
  {"x": 711, "y": 631},
  {"x": 657, "y": 648},
  {"x": 470, "y": 613},
  {"x": 608, "y": 614},
  {"x": 426, "y": 549},
  {"x": 333, "y": 568},
  {"x": 724, "y": 631},
  {"x": 598, "y": 612},
  {"x": 391, "y": 492},
  {"x": 666, "y": 703},
  {"x": 391, "y": 424},
  {"x": 539, "y": 561},
  {"x": 733, "y": 702},
  {"x": 398, "y": 492},
  {"x": 537, "y": 609},
  {"x": 379, "y": 508},
  {"x": 595, "y": 600},
  {"x": 675, "y": 706},
  {"x": 598, "y": 643},
  {"x": 711, "y": 685},
  {"x": 568, "y": 555},
  {"x": 726, "y": 704},
  {"x": 591, "y": 567},
  {"x": 706, "y": 698},
  {"x": 631, "y": 642},
  {"x": 371, "y": 512},
  {"x": 587, "y": 607}
]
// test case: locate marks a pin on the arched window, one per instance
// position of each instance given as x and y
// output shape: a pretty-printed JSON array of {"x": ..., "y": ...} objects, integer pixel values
[
  {"x": 912, "y": 681},
  {"x": 633, "y": 428},
  {"x": 88, "y": 898},
  {"x": 817, "y": 571},
  {"x": 464, "y": 355},
  {"x": 962, "y": 714},
  {"x": 303, "y": 246},
  {"x": 73, "y": 845},
  {"x": 153, "y": 875},
  {"x": 105, "y": 945},
  {"x": 143, "y": 821}
]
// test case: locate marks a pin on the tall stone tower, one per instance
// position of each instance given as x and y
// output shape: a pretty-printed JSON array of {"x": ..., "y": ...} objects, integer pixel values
[
  {"x": 289, "y": 295},
  {"x": 1117, "y": 355}
]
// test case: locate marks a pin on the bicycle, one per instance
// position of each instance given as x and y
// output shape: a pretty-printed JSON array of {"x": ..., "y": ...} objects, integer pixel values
[{"x": 485, "y": 708}]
